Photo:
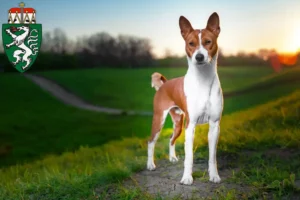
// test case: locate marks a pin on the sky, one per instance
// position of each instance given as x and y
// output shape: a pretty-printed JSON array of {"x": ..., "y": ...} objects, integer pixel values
[{"x": 245, "y": 25}]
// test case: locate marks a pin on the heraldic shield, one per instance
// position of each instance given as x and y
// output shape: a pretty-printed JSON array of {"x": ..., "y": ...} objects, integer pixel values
[{"x": 22, "y": 37}]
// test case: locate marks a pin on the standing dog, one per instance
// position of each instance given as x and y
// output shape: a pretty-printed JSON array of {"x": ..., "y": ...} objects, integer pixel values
[{"x": 197, "y": 96}]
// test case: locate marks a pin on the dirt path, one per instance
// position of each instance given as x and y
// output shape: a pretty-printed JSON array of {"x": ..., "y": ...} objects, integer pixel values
[
  {"x": 69, "y": 98},
  {"x": 165, "y": 181}
]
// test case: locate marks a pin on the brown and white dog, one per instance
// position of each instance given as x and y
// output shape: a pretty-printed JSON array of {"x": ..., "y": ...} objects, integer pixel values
[{"x": 197, "y": 96}]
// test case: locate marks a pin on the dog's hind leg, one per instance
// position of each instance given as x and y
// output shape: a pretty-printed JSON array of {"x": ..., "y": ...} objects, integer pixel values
[
  {"x": 159, "y": 117},
  {"x": 177, "y": 119}
]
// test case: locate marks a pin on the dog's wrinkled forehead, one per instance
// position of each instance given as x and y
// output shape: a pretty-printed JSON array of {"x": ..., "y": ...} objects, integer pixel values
[{"x": 198, "y": 34}]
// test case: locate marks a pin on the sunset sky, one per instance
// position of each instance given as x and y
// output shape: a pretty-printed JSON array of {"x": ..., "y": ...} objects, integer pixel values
[{"x": 245, "y": 25}]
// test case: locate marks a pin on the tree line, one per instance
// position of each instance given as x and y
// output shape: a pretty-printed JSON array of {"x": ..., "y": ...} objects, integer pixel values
[
  {"x": 123, "y": 51},
  {"x": 97, "y": 50}
]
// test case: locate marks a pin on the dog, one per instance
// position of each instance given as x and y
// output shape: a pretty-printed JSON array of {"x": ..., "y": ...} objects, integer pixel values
[{"x": 196, "y": 97}]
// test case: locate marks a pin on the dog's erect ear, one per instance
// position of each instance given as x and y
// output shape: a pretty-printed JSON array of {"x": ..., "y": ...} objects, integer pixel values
[
  {"x": 185, "y": 26},
  {"x": 213, "y": 24}
]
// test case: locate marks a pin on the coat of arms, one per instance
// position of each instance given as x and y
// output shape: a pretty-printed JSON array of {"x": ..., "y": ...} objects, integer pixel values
[{"x": 22, "y": 37}]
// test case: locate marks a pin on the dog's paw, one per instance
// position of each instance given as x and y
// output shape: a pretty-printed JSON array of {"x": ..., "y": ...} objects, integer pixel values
[
  {"x": 173, "y": 159},
  {"x": 215, "y": 178},
  {"x": 187, "y": 180},
  {"x": 151, "y": 166}
]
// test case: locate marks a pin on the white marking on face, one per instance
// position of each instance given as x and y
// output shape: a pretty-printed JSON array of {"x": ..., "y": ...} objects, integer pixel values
[{"x": 202, "y": 51}]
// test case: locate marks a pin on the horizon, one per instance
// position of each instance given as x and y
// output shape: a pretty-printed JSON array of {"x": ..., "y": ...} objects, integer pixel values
[{"x": 262, "y": 25}]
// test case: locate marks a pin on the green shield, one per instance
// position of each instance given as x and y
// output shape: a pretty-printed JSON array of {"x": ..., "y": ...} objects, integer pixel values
[{"x": 21, "y": 43}]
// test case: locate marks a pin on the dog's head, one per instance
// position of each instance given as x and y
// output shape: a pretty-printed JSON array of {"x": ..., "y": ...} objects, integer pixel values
[{"x": 201, "y": 45}]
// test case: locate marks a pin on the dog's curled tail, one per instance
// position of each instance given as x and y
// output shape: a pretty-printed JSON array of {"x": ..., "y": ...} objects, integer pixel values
[{"x": 157, "y": 80}]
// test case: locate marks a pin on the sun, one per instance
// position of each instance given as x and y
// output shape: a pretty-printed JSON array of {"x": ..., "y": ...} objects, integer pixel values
[
  {"x": 296, "y": 38},
  {"x": 292, "y": 44},
  {"x": 289, "y": 55}
]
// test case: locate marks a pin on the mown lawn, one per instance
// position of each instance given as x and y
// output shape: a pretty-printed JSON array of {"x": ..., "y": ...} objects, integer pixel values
[{"x": 131, "y": 89}]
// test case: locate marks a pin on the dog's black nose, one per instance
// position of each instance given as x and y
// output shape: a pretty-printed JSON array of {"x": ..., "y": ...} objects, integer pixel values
[{"x": 199, "y": 57}]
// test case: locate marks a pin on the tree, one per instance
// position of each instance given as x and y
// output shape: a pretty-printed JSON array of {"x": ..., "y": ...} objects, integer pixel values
[
  {"x": 168, "y": 53},
  {"x": 123, "y": 51},
  {"x": 60, "y": 41},
  {"x": 47, "y": 42}
]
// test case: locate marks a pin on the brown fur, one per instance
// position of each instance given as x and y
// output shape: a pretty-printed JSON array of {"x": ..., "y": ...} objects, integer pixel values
[
  {"x": 191, "y": 36},
  {"x": 157, "y": 80},
  {"x": 170, "y": 93}
]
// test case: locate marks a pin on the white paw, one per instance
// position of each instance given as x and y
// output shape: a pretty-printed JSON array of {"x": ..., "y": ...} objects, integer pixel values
[
  {"x": 151, "y": 166},
  {"x": 187, "y": 180},
  {"x": 215, "y": 178},
  {"x": 173, "y": 159}
]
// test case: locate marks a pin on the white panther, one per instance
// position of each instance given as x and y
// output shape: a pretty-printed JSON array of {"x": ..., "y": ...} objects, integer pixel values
[{"x": 19, "y": 41}]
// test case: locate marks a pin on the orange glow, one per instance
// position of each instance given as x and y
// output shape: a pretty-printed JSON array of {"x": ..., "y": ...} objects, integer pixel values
[
  {"x": 275, "y": 62},
  {"x": 288, "y": 59}
]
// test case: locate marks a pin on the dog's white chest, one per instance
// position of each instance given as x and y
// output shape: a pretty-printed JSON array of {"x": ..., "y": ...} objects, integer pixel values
[
  {"x": 198, "y": 101},
  {"x": 204, "y": 114},
  {"x": 199, "y": 108},
  {"x": 203, "y": 97}
]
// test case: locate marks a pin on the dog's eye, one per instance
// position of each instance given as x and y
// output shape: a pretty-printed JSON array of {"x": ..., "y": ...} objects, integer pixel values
[
  {"x": 192, "y": 44},
  {"x": 207, "y": 42}
]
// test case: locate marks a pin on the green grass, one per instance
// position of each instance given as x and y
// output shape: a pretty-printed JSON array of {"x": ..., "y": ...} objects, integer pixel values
[
  {"x": 131, "y": 89},
  {"x": 66, "y": 153},
  {"x": 35, "y": 124},
  {"x": 80, "y": 174}
]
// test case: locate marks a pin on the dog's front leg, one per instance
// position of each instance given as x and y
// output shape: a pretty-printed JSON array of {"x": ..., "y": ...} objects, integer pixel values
[
  {"x": 213, "y": 136},
  {"x": 187, "y": 178}
]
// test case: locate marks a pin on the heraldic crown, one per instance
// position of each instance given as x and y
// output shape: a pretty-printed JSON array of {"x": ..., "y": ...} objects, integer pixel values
[
  {"x": 22, "y": 37},
  {"x": 21, "y": 15}
]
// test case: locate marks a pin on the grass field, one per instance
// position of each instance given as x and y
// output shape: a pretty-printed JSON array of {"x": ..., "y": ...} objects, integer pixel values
[
  {"x": 70, "y": 153},
  {"x": 131, "y": 89},
  {"x": 34, "y": 124},
  {"x": 102, "y": 86},
  {"x": 80, "y": 174}
]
